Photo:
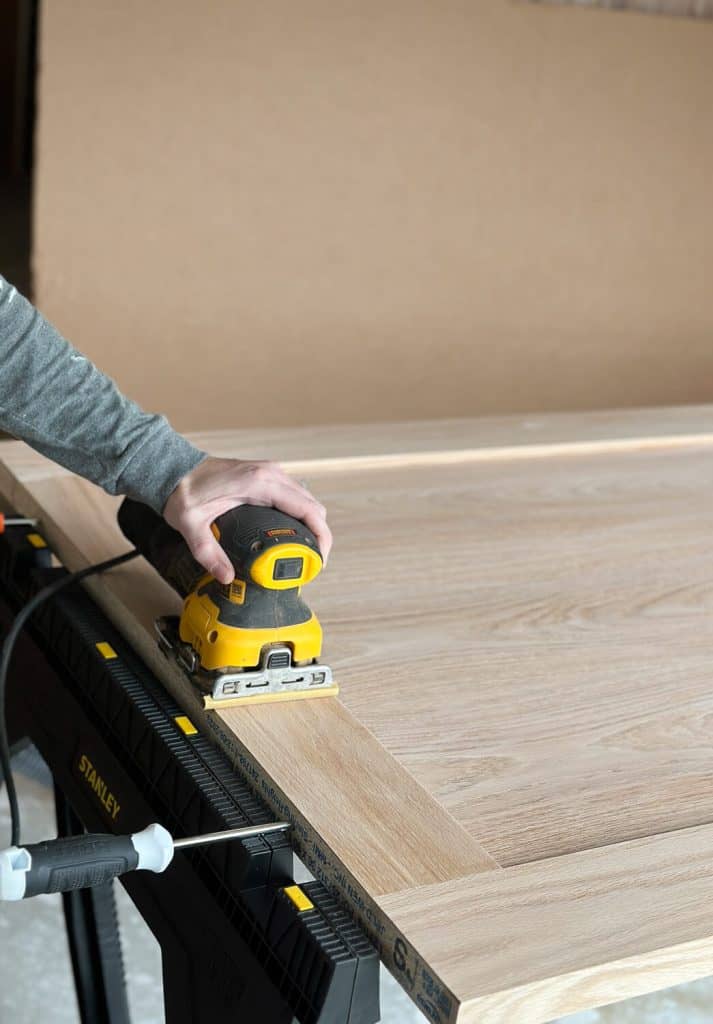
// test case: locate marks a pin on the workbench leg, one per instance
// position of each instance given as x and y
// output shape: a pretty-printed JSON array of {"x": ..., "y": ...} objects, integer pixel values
[
  {"x": 211, "y": 988},
  {"x": 94, "y": 940}
]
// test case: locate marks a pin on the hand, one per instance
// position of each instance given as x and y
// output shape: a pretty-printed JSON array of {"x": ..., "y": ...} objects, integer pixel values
[{"x": 217, "y": 485}]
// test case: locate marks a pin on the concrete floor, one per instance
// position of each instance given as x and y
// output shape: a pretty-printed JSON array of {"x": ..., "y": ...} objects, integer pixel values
[{"x": 35, "y": 932}]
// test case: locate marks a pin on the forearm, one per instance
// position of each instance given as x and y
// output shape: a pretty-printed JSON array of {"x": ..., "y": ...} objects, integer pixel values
[{"x": 56, "y": 400}]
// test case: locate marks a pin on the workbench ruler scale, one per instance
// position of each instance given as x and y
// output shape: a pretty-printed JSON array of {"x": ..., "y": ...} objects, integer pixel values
[{"x": 133, "y": 748}]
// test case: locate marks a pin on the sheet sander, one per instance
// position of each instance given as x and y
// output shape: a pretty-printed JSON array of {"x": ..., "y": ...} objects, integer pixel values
[{"x": 252, "y": 640}]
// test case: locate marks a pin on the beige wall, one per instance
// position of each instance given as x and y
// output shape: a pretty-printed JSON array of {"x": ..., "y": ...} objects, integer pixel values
[
  {"x": 686, "y": 8},
  {"x": 281, "y": 212}
]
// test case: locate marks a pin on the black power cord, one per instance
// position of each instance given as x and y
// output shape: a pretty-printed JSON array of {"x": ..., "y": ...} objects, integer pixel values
[{"x": 7, "y": 649}]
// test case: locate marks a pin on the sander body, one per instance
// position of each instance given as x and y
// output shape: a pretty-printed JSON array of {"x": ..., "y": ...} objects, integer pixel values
[{"x": 250, "y": 641}]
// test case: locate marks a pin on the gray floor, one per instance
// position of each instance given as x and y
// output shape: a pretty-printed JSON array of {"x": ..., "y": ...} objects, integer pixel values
[{"x": 34, "y": 931}]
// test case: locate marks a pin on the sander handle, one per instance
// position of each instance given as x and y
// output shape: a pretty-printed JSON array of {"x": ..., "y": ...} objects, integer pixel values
[
  {"x": 160, "y": 545},
  {"x": 243, "y": 532}
]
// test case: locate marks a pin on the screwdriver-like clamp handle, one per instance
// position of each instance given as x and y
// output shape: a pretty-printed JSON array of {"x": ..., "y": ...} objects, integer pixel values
[{"x": 78, "y": 862}]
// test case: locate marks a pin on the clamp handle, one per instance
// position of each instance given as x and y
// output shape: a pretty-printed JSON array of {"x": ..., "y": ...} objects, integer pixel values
[{"x": 78, "y": 862}]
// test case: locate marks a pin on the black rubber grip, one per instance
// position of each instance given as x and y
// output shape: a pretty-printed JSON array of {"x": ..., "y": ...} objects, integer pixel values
[
  {"x": 245, "y": 531},
  {"x": 160, "y": 545},
  {"x": 78, "y": 862}
]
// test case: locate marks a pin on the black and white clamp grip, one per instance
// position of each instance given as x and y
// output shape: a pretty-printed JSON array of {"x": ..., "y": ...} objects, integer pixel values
[{"x": 79, "y": 862}]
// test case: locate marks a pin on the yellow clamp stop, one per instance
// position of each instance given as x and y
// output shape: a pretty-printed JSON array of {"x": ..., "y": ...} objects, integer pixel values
[{"x": 298, "y": 897}]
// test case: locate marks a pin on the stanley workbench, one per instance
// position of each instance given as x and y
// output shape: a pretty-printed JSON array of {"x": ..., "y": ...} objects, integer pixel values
[{"x": 511, "y": 797}]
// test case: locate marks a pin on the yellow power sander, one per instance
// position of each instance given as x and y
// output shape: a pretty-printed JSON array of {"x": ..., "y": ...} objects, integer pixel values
[{"x": 252, "y": 640}]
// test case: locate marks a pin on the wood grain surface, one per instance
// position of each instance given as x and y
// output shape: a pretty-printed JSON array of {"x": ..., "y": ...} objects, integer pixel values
[
  {"x": 345, "y": 776},
  {"x": 524, "y": 643},
  {"x": 447, "y": 441},
  {"x": 543, "y": 939},
  {"x": 546, "y": 631}
]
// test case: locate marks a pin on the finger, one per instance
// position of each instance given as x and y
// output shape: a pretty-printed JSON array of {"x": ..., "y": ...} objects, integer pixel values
[
  {"x": 206, "y": 550},
  {"x": 301, "y": 489},
  {"x": 269, "y": 485},
  {"x": 324, "y": 539},
  {"x": 304, "y": 507},
  {"x": 269, "y": 478}
]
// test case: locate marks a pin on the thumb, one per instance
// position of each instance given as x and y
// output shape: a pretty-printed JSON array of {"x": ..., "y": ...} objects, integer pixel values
[{"x": 206, "y": 550}]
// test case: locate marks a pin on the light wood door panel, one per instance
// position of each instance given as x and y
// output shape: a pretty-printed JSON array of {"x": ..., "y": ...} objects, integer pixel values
[
  {"x": 523, "y": 639},
  {"x": 533, "y": 641}
]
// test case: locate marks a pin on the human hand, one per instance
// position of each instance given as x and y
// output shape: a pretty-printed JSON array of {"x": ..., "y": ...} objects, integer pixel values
[{"x": 217, "y": 485}]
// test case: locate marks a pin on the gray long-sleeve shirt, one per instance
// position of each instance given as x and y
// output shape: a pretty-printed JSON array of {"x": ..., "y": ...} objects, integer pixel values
[{"x": 57, "y": 401}]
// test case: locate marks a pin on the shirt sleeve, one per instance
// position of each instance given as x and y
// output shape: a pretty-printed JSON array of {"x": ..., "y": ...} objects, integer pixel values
[{"x": 55, "y": 399}]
